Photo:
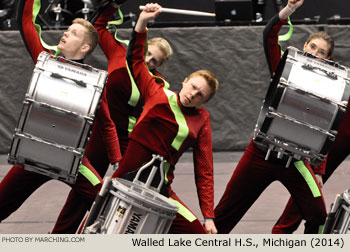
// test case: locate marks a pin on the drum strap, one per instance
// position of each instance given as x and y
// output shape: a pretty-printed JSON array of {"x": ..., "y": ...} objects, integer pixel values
[
  {"x": 36, "y": 9},
  {"x": 304, "y": 171},
  {"x": 89, "y": 175},
  {"x": 187, "y": 214},
  {"x": 183, "y": 130}
]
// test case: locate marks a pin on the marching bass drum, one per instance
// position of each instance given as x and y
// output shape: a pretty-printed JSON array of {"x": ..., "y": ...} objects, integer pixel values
[
  {"x": 57, "y": 116},
  {"x": 303, "y": 107}
]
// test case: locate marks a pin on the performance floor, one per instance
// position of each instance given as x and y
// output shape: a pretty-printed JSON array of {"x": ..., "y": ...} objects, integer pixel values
[{"x": 38, "y": 214}]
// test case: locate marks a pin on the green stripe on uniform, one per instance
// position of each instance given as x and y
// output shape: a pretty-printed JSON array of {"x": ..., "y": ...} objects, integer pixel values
[
  {"x": 89, "y": 175},
  {"x": 183, "y": 130},
  {"x": 132, "y": 122},
  {"x": 115, "y": 23},
  {"x": 36, "y": 9},
  {"x": 308, "y": 178},
  {"x": 135, "y": 93},
  {"x": 320, "y": 229},
  {"x": 187, "y": 214},
  {"x": 166, "y": 84},
  {"x": 287, "y": 36}
]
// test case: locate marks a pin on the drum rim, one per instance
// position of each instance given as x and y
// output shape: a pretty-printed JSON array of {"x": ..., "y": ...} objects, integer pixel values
[{"x": 125, "y": 186}]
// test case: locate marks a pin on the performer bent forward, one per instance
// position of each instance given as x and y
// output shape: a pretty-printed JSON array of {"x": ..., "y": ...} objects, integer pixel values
[{"x": 169, "y": 124}]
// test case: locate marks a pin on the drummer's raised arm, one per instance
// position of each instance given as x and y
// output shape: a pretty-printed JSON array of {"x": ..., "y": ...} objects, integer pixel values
[
  {"x": 150, "y": 12},
  {"x": 290, "y": 8}
]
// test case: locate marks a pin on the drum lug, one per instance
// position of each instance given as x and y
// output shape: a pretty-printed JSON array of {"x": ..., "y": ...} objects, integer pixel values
[
  {"x": 271, "y": 112},
  {"x": 26, "y": 101},
  {"x": 268, "y": 152},
  {"x": 280, "y": 154},
  {"x": 11, "y": 160},
  {"x": 289, "y": 161}
]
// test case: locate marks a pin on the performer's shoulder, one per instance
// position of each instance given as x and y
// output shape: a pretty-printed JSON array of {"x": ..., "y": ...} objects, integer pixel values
[{"x": 202, "y": 111}]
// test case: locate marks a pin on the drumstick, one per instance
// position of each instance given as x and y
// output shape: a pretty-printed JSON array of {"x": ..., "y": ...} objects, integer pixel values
[{"x": 183, "y": 12}]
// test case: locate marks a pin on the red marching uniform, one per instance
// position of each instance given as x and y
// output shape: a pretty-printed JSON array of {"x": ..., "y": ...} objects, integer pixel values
[
  {"x": 167, "y": 128},
  {"x": 122, "y": 96},
  {"x": 254, "y": 174},
  {"x": 19, "y": 184},
  {"x": 340, "y": 149},
  {"x": 120, "y": 99}
]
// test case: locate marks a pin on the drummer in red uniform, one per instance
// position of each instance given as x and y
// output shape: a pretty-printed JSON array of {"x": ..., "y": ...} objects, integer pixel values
[
  {"x": 254, "y": 174},
  {"x": 340, "y": 149},
  {"x": 170, "y": 124},
  {"x": 79, "y": 40},
  {"x": 121, "y": 98}
]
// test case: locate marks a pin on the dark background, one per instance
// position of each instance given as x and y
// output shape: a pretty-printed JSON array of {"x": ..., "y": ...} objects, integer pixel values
[
  {"x": 322, "y": 10},
  {"x": 310, "y": 8},
  {"x": 234, "y": 53}
]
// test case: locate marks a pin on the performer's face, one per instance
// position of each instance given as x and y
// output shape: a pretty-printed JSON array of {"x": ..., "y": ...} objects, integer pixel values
[
  {"x": 194, "y": 92},
  {"x": 72, "y": 44},
  {"x": 318, "y": 47},
  {"x": 155, "y": 57}
]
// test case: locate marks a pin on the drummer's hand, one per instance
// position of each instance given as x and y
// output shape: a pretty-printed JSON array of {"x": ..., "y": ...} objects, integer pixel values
[
  {"x": 294, "y": 4},
  {"x": 210, "y": 226},
  {"x": 114, "y": 5},
  {"x": 115, "y": 166},
  {"x": 151, "y": 11},
  {"x": 290, "y": 8},
  {"x": 319, "y": 179}
]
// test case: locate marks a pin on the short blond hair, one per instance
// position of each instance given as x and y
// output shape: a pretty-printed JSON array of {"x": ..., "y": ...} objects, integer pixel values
[
  {"x": 91, "y": 35},
  {"x": 210, "y": 78},
  {"x": 164, "y": 46}
]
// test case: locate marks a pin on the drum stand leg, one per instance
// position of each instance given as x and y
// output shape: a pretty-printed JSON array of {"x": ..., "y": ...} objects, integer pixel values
[
  {"x": 157, "y": 162},
  {"x": 92, "y": 224},
  {"x": 151, "y": 176},
  {"x": 328, "y": 227}
]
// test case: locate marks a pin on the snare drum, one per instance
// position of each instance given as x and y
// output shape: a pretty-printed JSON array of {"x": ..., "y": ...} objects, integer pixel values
[
  {"x": 57, "y": 115},
  {"x": 338, "y": 220},
  {"x": 125, "y": 207},
  {"x": 303, "y": 107}
]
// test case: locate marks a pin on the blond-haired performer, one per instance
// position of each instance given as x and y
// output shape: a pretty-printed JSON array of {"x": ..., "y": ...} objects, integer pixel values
[
  {"x": 77, "y": 41},
  {"x": 121, "y": 97}
]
